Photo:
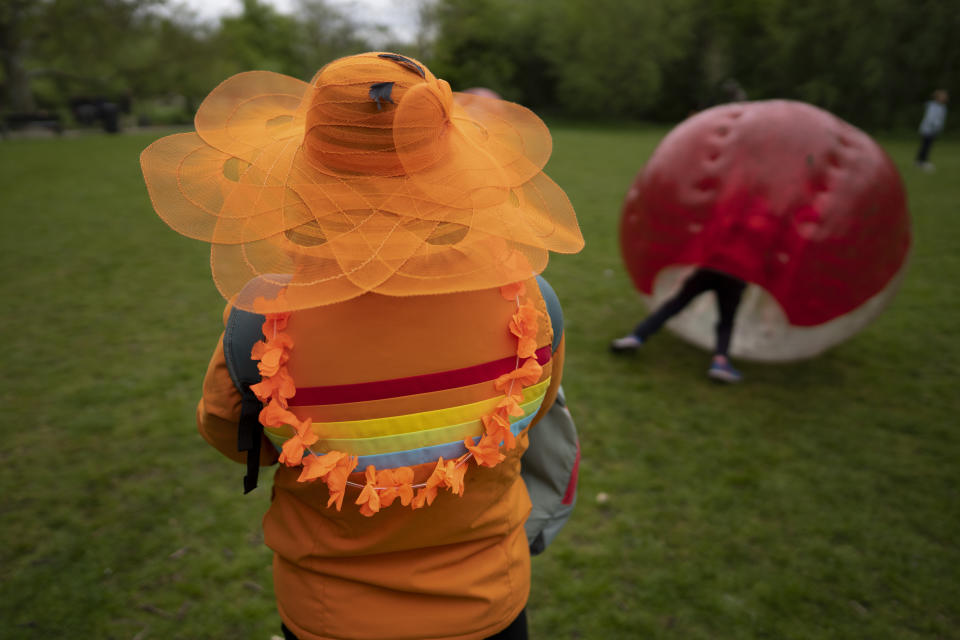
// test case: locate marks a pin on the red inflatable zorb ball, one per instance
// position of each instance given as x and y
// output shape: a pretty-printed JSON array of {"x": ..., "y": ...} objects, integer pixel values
[{"x": 806, "y": 208}]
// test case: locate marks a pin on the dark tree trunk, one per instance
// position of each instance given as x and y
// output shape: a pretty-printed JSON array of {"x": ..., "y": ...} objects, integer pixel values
[{"x": 19, "y": 96}]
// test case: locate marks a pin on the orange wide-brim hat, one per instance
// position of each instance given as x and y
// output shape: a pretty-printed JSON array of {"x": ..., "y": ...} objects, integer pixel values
[{"x": 373, "y": 177}]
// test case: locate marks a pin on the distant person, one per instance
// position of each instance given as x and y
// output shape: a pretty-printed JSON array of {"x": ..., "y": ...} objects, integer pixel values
[
  {"x": 934, "y": 117},
  {"x": 733, "y": 91},
  {"x": 729, "y": 291}
]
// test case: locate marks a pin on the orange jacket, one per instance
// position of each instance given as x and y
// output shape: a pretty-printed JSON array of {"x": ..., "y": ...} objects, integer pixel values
[{"x": 457, "y": 569}]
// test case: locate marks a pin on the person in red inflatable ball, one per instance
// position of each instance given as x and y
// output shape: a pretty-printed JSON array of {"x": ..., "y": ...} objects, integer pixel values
[
  {"x": 795, "y": 219},
  {"x": 728, "y": 290}
]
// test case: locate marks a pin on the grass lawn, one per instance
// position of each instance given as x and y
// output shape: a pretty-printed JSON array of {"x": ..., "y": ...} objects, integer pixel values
[{"x": 819, "y": 499}]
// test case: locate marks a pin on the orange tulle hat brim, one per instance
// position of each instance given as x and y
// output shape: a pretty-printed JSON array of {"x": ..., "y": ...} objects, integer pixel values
[{"x": 374, "y": 176}]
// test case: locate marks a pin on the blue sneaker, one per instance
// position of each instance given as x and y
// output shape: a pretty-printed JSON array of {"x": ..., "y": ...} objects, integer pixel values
[{"x": 724, "y": 373}]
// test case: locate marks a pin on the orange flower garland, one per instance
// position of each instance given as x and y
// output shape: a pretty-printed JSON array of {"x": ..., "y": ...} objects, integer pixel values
[
  {"x": 382, "y": 488},
  {"x": 275, "y": 388}
]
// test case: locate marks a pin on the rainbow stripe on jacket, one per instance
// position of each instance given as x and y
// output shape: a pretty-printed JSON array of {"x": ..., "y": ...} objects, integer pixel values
[{"x": 415, "y": 438}]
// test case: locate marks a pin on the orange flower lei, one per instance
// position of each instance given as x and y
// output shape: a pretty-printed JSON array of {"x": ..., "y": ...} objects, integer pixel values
[{"x": 383, "y": 487}]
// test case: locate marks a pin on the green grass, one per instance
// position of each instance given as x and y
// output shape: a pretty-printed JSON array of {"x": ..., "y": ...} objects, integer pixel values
[{"x": 819, "y": 499}]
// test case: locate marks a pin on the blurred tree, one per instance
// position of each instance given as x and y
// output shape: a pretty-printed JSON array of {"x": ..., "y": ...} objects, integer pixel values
[
  {"x": 583, "y": 57},
  {"x": 327, "y": 33},
  {"x": 608, "y": 55},
  {"x": 55, "y": 48},
  {"x": 297, "y": 44},
  {"x": 259, "y": 38},
  {"x": 165, "y": 60},
  {"x": 872, "y": 63},
  {"x": 492, "y": 44},
  {"x": 14, "y": 17}
]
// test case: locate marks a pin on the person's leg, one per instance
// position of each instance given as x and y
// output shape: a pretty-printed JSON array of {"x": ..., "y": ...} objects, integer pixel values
[
  {"x": 698, "y": 282},
  {"x": 729, "y": 293},
  {"x": 928, "y": 165},
  {"x": 516, "y": 631},
  {"x": 924, "y": 151}
]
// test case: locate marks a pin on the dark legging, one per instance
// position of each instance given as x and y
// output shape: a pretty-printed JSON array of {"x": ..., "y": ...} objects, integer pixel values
[
  {"x": 924, "y": 151},
  {"x": 729, "y": 290},
  {"x": 516, "y": 631}
]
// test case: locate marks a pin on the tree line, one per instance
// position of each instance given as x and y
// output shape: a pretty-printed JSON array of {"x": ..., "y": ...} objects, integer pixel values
[
  {"x": 54, "y": 51},
  {"x": 872, "y": 62}
]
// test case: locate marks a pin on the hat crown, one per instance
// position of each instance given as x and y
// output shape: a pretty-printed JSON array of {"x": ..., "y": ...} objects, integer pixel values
[{"x": 351, "y": 110}]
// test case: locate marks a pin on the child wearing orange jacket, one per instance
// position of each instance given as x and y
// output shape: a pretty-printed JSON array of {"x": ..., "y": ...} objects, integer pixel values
[{"x": 388, "y": 231}]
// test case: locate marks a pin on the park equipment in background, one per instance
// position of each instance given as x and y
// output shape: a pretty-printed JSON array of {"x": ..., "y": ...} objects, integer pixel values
[{"x": 805, "y": 207}]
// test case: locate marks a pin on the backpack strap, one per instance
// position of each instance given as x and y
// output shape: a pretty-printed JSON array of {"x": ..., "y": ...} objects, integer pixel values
[
  {"x": 550, "y": 465},
  {"x": 243, "y": 330}
]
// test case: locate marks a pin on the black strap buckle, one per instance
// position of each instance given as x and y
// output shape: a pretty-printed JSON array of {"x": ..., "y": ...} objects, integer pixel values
[{"x": 249, "y": 437}]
